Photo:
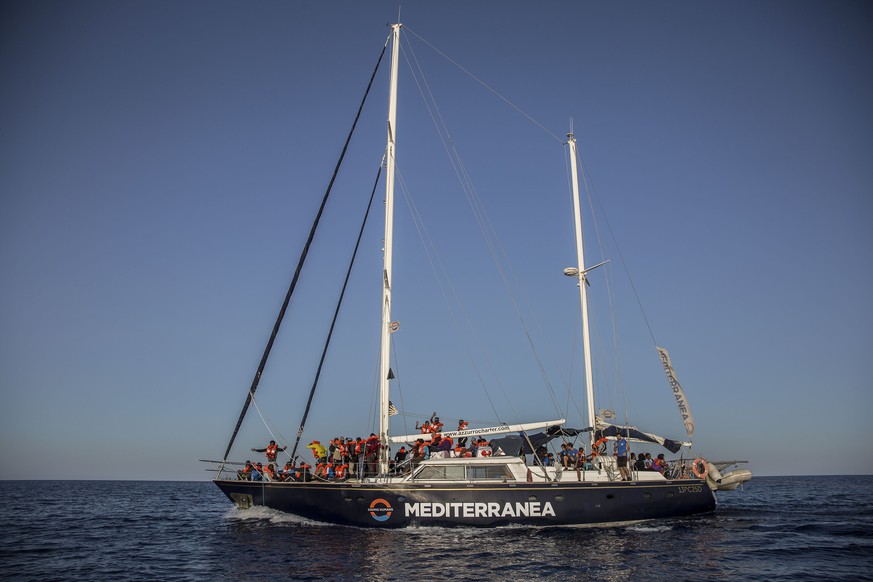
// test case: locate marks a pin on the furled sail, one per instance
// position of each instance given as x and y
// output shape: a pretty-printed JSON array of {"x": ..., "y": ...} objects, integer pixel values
[{"x": 633, "y": 434}]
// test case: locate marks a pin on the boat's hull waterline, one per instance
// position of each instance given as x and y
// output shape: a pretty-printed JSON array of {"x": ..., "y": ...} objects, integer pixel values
[{"x": 383, "y": 505}]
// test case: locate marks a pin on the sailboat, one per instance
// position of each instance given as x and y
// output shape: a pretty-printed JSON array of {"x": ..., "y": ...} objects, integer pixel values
[{"x": 496, "y": 485}]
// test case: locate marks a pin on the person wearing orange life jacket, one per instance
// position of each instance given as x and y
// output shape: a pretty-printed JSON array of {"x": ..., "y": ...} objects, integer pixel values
[
  {"x": 303, "y": 472},
  {"x": 582, "y": 459},
  {"x": 355, "y": 455},
  {"x": 434, "y": 444},
  {"x": 350, "y": 452},
  {"x": 270, "y": 472},
  {"x": 374, "y": 447},
  {"x": 435, "y": 425},
  {"x": 443, "y": 443},
  {"x": 341, "y": 471},
  {"x": 420, "y": 452},
  {"x": 425, "y": 427},
  {"x": 462, "y": 425},
  {"x": 246, "y": 473},
  {"x": 400, "y": 456},
  {"x": 258, "y": 472},
  {"x": 483, "y": 448},
  {"x": 287, "y": 472},
  {"x": 271, "y": 450}
]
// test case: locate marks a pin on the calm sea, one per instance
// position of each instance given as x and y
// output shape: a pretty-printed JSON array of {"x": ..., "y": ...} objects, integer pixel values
[{"x": 789, "y": 528}]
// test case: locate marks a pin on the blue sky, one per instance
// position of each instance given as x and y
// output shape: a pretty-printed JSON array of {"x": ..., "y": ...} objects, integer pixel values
[{"x": 160, "y": 164}]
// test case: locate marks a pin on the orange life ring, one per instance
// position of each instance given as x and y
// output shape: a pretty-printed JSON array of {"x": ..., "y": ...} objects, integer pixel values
[
  {"x": 696, "y": 468},
  {"x": 599, "y": 447}
]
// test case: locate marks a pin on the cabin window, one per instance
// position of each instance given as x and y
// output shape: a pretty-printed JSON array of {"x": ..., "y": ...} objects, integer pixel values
[
  {"x": 441, "y": 473},
  {"x": 495, "y": 472}
]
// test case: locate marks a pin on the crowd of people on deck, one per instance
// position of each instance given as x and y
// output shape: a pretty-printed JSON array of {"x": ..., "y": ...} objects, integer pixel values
[
  {"x": 341, "y": 459},
  {"x": 570, "y": 458},
  {"x": 344, "y": 458}
]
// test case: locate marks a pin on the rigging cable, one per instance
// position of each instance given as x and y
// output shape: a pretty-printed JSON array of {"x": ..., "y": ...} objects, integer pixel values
[
  {"x": 256, "y": 380},
  {"x": 472, "y": 195},
  {"x": 593, "y": 198},
  {"x": 434, "y": 260},
  {"x": 486, "y": 85},
  {"x": 335, "y": 315},
  {"x": 276, "y": 436},
  {"x": 397, "y": 377},
  {"x": 620, "y": 255},
  {"x": 489, "y": 233}
]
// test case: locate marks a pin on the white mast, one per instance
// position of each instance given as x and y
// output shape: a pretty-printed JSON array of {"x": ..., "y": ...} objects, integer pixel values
[
  {"x": 580, "y": 272},
  {"x": 385, "y": 360}
]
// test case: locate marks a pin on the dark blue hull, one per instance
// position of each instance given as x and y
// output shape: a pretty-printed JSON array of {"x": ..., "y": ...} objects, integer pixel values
[{"x": 479, "y": 505}]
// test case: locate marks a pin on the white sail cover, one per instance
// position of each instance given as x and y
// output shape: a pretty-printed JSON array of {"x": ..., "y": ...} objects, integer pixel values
[
  {"x": 678, "y": 393},
  {"x": 502, "y": 429}
]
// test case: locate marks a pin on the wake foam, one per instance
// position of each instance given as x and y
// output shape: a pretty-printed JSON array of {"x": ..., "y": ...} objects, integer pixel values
[
  {"x": 650, "y": 528},
  {"x": 273, "y": 516}
]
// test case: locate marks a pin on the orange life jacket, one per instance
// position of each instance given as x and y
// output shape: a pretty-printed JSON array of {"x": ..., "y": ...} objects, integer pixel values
[
  {"x": 463, "y": 425},
  {"x": 271, "y": 451}
]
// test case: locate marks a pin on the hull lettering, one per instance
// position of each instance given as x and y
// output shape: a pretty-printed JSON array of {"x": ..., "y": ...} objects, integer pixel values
[{"x": 479, "y": 509}]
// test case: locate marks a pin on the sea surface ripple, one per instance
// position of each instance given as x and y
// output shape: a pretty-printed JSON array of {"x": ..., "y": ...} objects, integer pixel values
[{"x": 776, "y": 528}]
